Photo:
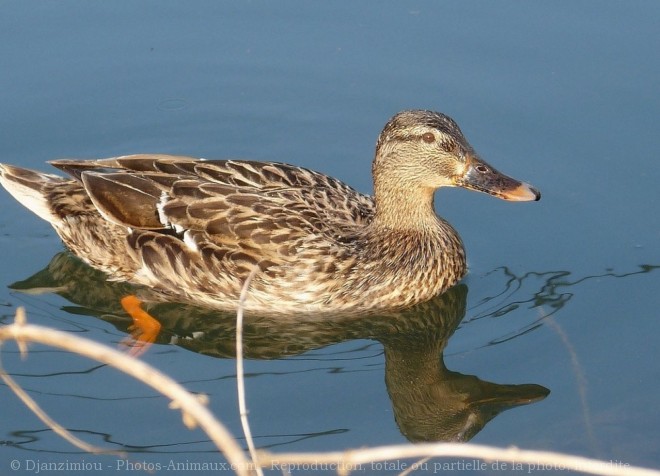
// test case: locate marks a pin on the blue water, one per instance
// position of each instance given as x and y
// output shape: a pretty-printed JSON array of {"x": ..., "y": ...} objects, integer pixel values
[{"x": 562, "y": 293}]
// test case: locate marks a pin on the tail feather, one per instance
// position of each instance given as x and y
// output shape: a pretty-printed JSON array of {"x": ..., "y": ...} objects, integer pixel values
[{"x": 30, "y": 188}]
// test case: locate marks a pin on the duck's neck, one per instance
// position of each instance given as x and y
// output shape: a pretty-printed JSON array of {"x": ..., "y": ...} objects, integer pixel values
[
  {"x": 407, "y": 235},
  {"x": 407, "y": 214},
  {"x": 404, "y": 208}
]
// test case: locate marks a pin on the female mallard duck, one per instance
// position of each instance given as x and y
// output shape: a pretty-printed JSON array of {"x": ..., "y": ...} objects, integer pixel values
[{"x": 195, "y": 229}]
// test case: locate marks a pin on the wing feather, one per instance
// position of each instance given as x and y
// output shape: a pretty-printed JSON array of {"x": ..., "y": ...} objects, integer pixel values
[{"x": 237, "y": 213}]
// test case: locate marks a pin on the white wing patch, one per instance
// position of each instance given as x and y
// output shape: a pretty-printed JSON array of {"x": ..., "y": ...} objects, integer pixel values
[
  {"x": 164, "y": 198},
  {"x": 189, "y": 241}
]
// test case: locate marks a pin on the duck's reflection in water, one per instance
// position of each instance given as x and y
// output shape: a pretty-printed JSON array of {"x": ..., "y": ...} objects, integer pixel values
[{"x": 430, "y": 402}]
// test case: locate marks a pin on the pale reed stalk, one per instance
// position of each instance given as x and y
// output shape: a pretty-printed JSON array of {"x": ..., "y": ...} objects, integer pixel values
[
  {"x": 343, "y": 462},
  {"x": 195, "y": 413}
]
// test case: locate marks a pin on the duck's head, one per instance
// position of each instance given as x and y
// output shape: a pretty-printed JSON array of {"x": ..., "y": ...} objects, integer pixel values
[{"x": 426, "y": 150}]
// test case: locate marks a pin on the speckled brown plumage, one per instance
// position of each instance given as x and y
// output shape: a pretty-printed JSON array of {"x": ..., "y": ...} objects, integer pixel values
[{"x": 195, "y": 229}]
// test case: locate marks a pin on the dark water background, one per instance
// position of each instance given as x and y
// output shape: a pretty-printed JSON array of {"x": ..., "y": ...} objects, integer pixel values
[{"x": 562, "y": 293}]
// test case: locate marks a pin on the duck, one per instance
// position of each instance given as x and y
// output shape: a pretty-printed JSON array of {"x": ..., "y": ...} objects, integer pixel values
[{"x": 198, "y": 231}]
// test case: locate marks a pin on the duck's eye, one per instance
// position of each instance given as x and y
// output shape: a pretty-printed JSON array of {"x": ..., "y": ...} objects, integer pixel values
[
  {"x": 428, "y": 137},
  {"x": 482, "y": 168}
]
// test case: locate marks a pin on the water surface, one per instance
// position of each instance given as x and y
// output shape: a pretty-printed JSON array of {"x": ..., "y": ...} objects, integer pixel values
[{"x": 562, "y": 294}]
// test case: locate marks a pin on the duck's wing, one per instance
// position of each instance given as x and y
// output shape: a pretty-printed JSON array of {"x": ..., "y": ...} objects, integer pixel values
[{"x": 262, "y": 209}]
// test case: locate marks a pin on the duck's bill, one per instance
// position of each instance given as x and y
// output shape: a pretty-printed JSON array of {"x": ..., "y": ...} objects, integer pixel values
[
  {"x": 499, "y": 397},
  {"x": 482, "y": 177}
]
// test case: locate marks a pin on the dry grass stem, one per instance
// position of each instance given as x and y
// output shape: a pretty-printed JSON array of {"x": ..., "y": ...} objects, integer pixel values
[
  {"x": 580, "y": 380},
  {"x": 347, "y": 461},
  {"x": 193, "y": 410},
  {"x": 240, "y": 374},
  {"x": 413, "y": 467},
  {"x": 48, "y": 421}
]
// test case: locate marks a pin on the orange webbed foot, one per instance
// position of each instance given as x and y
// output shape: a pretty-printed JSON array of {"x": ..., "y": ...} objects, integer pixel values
[{"x": 144, "y": 330}]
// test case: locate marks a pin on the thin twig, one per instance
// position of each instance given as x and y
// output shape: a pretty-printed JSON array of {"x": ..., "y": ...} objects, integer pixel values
[
  {"x": 345, "y": 462},
  {"x": 580, "y": 379},
  {"x": 48, "y": 421},
  {"x": 240, "y": 380},
  {"x": 413, "y": 467},
  {"x": 194, "y": 412}
]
